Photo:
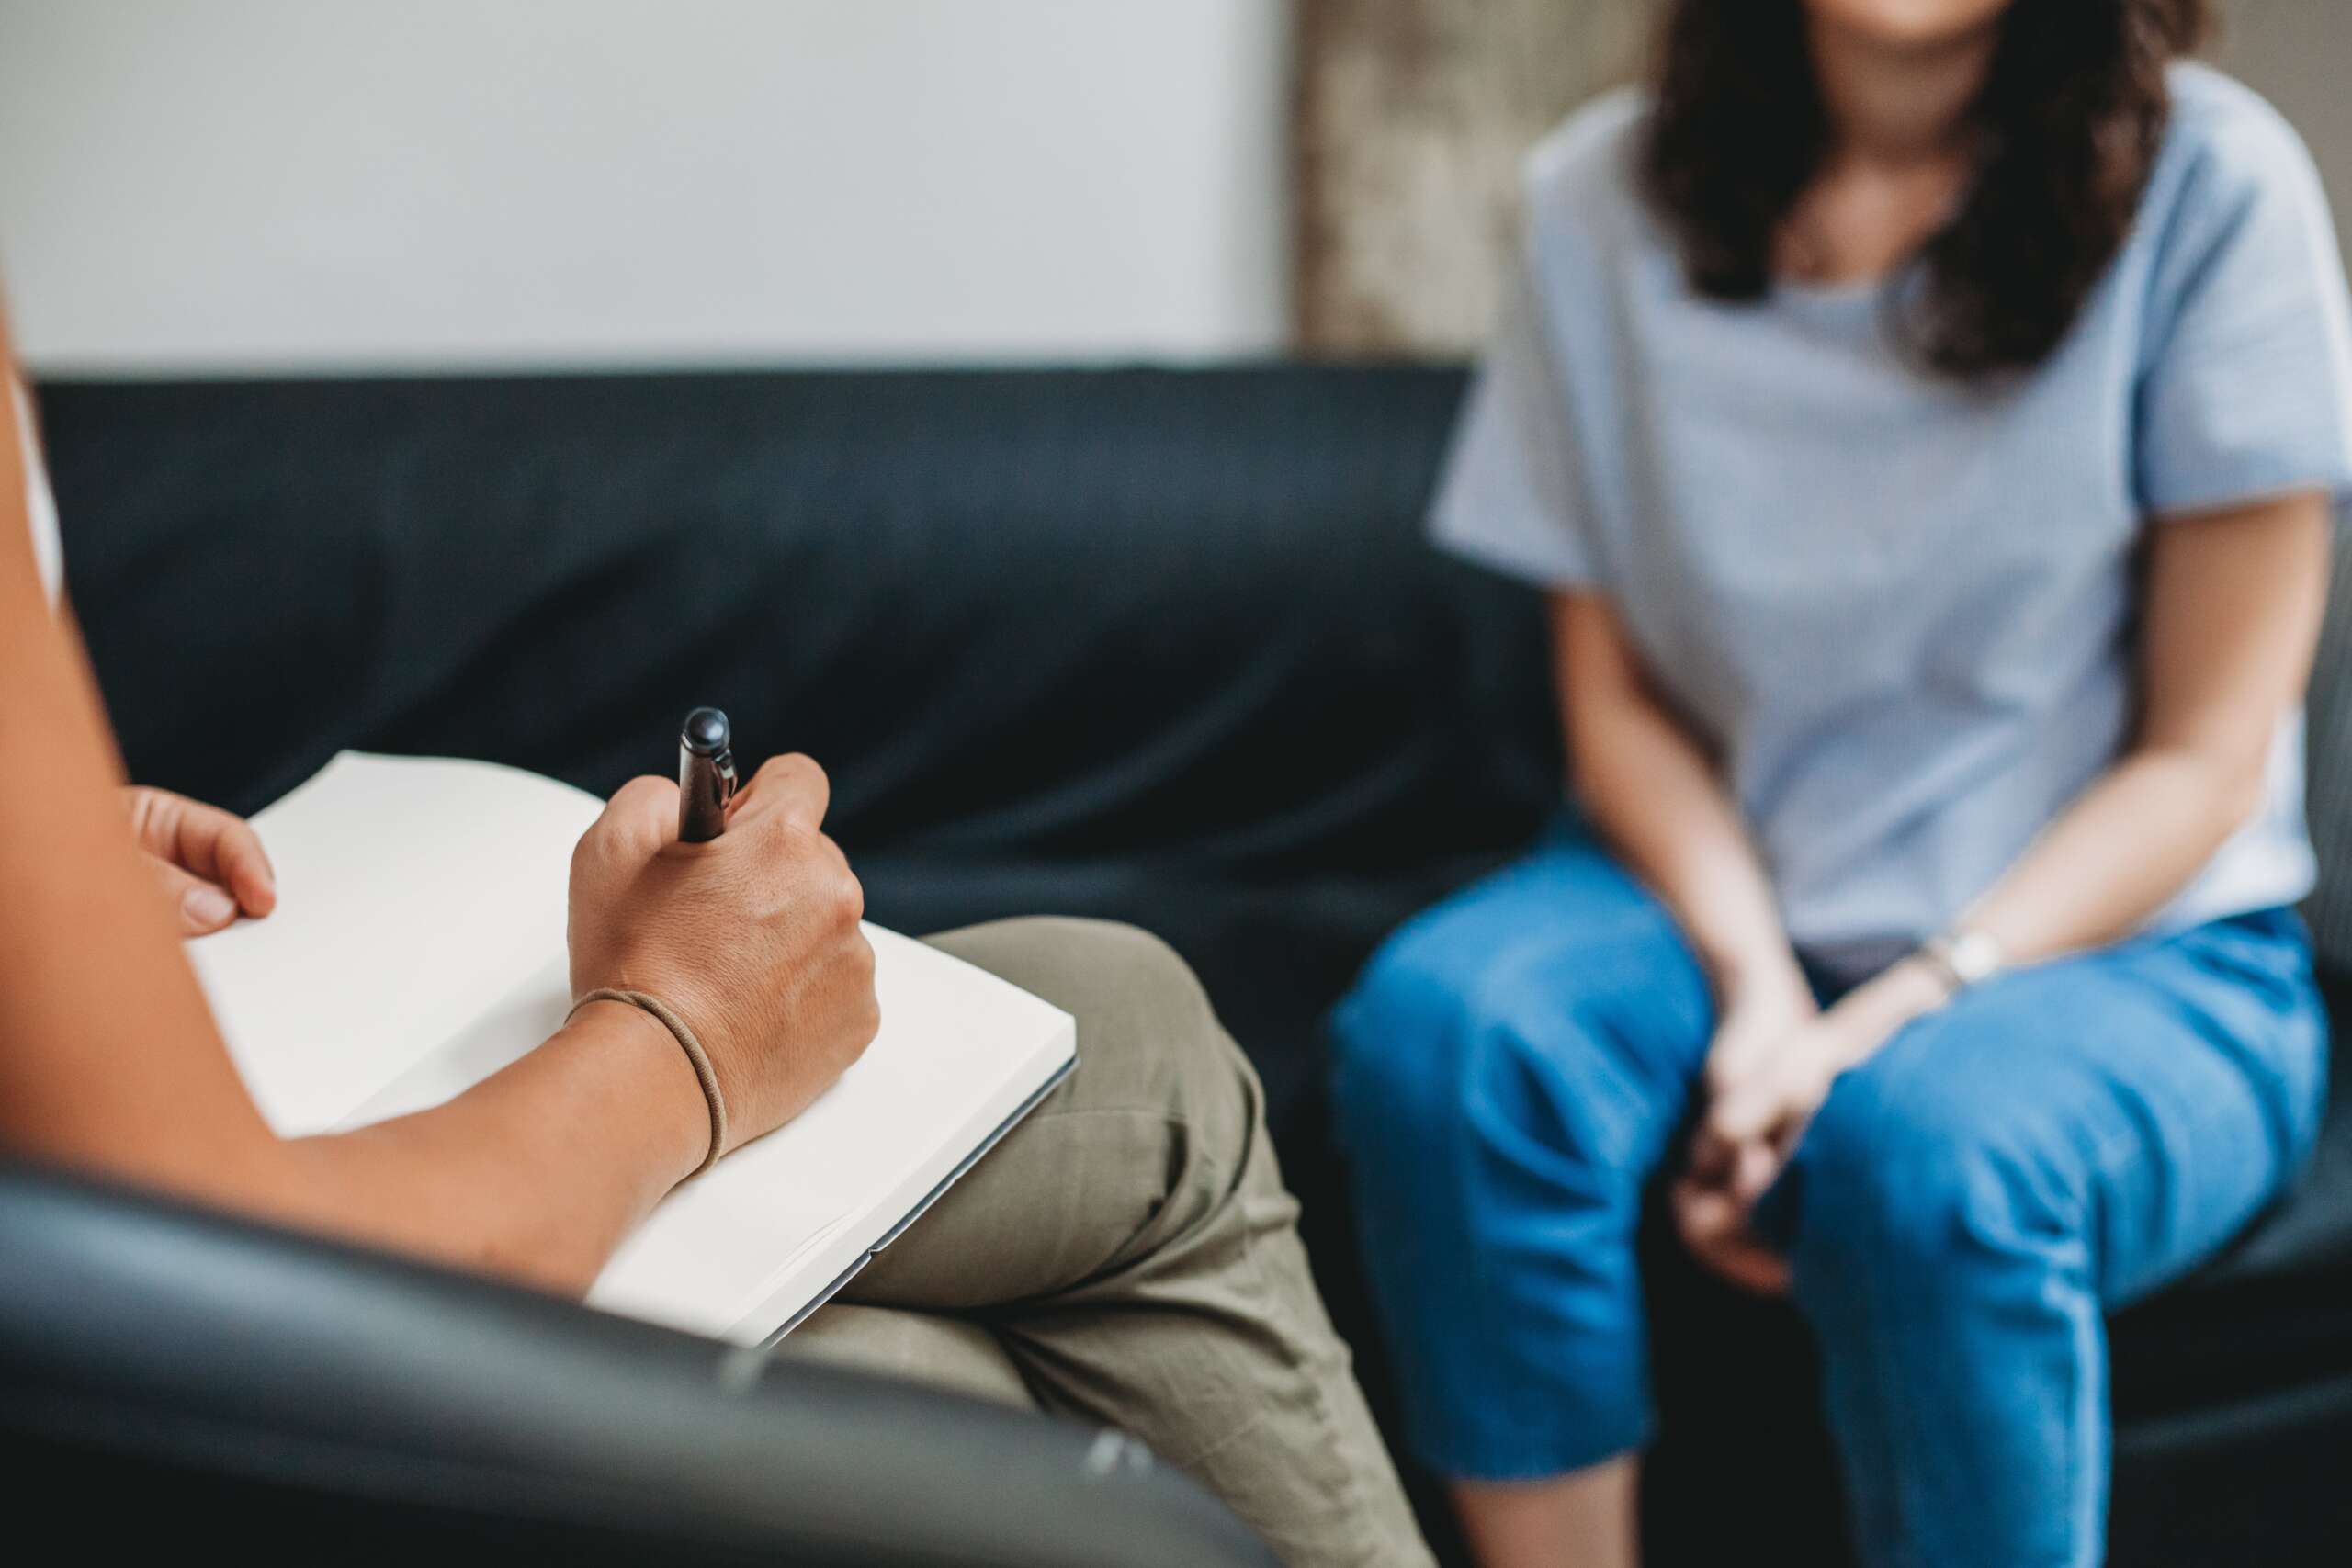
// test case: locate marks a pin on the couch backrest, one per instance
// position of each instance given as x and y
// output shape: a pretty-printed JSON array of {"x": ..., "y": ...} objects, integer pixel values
[
  {"x": 1063, "y": 615},
  {"x": 1057, "y": 617}
]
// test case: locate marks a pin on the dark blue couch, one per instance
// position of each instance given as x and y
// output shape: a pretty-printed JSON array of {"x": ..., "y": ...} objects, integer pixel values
[{"x": 1161, "y": 646}]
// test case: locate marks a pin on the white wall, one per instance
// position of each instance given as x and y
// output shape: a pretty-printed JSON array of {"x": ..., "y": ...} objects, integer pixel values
[
  {"x": 350, "y": 184},
  {"x": 224, "y": 184}
]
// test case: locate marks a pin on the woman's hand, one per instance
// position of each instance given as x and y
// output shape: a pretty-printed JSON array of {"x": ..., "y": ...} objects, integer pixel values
[
  {"x": 1761, "y": 1016},
  {"x": 752, "y": 938},
  {"x": 1762, "y": 1006},
  {"x": 208, "y": 862},
  {"x": 1760, "y": 1101}
]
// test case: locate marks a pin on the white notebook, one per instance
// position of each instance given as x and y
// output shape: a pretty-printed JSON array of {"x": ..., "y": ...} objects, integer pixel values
[{"x": 418, "y": 946}]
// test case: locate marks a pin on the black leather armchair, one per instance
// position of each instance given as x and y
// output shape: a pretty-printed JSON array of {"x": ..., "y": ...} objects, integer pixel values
[{"x": 309, "y": 1402}]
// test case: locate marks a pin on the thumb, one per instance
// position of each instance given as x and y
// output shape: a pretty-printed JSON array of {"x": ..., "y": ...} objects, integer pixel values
[{"x": 202, "y": 906}]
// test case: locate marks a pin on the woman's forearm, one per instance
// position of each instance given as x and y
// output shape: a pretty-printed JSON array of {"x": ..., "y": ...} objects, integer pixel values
[
  {"x": 1656, "y": 796},
  {"x": 536, "y": 1174},
  {"x": 1648, "y": 792},
  {"x": 2122, "y": 851},
  {"x": 2233, "y": 602}
]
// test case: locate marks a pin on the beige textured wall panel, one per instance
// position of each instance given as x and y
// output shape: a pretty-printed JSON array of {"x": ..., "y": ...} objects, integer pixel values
[{"x": 1412, "y": 116}]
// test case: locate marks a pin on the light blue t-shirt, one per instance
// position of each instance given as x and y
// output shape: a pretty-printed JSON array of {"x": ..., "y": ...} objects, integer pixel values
[{"x": 1902, "y": 608}]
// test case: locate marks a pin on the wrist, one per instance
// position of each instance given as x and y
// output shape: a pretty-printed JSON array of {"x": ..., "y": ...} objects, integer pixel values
[
  {"x": 1912, "y": 987},
  {"x": 665, "y": 1098},
  {"x": 1770, "y": 982}
]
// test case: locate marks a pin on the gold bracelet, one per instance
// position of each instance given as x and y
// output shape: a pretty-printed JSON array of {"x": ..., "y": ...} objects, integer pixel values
[{"x": 707, "y": 1076}]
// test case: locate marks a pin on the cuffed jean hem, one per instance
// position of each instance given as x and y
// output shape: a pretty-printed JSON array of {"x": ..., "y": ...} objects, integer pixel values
[
  {"x": 1558, "y": 1418},
  {"x": 1481, "y": 1462}
]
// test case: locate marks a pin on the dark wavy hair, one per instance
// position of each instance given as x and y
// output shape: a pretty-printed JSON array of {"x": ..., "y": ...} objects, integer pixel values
[{"x": 2068, "y": 129}]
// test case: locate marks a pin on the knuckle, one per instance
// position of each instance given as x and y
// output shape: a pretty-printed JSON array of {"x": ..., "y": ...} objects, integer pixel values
[
  {"x": 836, "y": 893},
  {"x": 792, "y": 768}
]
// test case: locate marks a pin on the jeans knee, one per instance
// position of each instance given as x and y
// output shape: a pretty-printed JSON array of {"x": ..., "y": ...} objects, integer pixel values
[
  {"x": 1910, "y": 1185},
  {"x": 1386, "y": 1036},
  {"x": 1488, "y": 1083},
  {"x": 1409, "y": 1045}
]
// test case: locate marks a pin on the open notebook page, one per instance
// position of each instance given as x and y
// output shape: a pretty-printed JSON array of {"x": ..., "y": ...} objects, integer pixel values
[{"x": 419, "y": 947}]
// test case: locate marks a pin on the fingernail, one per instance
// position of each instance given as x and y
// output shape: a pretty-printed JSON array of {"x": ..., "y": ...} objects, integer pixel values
[{"x": 207, "y": 907}]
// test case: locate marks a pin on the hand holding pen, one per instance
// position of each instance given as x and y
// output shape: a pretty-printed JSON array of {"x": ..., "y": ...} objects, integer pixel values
[{"x": 752, "y": 939}]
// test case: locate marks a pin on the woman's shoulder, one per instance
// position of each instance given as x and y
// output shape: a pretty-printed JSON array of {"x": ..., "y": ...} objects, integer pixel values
[
  {"x": 1583, "y": 173},
  {"x": 1587, "y": 162},
  {"x": 2227, "y": 151},
  {"x": 2212, "y": 109}
]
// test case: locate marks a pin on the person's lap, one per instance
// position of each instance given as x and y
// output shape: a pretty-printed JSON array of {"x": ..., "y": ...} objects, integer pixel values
[
  {"x": 1512, "y": 1069},
  {"x": 1128, "y": 1255},
  {"x": 1516, "y": 1064},
  {"x": 1969, "y": 1204},
  {"x": 952, "y": 1354},
  {"x": 1081, "y": 1187},
  {"x": 2083, "y": 1084}
]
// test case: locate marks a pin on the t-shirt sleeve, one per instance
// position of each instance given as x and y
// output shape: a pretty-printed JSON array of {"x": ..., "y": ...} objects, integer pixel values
[
  {"x": 2247, "y": 390},
  {"x": 1513, "y": 494}
]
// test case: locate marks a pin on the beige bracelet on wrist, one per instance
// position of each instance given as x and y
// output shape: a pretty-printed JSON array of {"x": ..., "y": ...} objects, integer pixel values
[{"x": 705, "y": 1072}]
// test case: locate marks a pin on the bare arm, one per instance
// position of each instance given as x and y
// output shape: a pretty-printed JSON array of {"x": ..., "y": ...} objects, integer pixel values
[
  {"x": 111, "y": 1062},
  {"x": 2234, "y": 604},
  {"x": 1660, "y": 802}
]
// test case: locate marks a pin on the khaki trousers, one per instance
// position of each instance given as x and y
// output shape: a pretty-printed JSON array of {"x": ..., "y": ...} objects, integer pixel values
[{"x": 1129, "y": 1256}]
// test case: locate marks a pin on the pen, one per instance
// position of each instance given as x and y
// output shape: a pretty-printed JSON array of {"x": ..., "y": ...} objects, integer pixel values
[{"x": 705, "y": 775}]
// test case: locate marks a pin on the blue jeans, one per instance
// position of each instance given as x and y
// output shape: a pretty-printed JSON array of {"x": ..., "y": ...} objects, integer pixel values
[{"x": 1515, "y": 1065}]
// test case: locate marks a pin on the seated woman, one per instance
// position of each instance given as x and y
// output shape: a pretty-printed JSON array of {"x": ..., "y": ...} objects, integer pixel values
[
  {"x": 1925, "y": 415},
  {"x": 1130, "y": 1239}
]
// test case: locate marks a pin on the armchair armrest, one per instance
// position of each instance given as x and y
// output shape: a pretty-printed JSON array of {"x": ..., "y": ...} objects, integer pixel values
[{"x": 302, "y": 1396}]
